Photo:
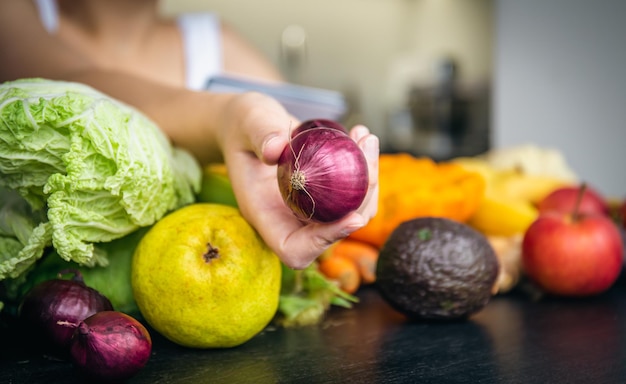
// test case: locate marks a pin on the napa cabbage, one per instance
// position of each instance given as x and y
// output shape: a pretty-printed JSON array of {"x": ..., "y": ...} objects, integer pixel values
[{"x": 79, "y": 168}]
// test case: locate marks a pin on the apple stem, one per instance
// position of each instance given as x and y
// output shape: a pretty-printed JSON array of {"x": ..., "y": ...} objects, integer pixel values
[{"x": 579, "y": 198}]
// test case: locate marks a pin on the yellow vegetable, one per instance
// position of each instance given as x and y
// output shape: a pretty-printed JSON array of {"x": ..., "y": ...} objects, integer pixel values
[
  {"x": 503, "y": 217},
  {"x": 515, "y": 185},
  {"x": 411, "y": 187}
]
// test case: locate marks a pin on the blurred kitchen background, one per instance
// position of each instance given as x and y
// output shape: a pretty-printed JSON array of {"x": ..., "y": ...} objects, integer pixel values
[{"x": 447, "y": 78}]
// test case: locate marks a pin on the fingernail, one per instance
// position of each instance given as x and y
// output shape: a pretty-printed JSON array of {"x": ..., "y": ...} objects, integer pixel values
[
  {"x": 360, "y": 130},
  {"x": 268, "y": 140},
  {"x": 266, "y": 148},
  {"x": 371, "y": 147},
  {"x": 356, "y": 225}
]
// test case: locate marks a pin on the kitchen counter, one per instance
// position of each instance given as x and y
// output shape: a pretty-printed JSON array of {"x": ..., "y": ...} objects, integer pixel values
[{"x": 512, "y": 340}]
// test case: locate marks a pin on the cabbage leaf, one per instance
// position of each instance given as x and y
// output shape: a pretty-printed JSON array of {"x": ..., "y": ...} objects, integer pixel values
[{"x": 78, "y": 167}]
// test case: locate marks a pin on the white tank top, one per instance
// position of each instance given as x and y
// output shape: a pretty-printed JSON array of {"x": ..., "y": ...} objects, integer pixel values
[{"x": 201, "y": 42}]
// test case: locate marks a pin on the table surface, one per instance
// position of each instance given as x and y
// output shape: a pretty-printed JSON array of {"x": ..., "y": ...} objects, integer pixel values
[{"x": 514, "y": 339}]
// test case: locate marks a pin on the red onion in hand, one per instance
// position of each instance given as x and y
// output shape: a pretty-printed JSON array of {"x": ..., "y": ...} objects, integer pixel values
[
  {"x": 322, "y": 174},
  {"x": 53, "y": 309},
  {"x": 110, "y": 346}
]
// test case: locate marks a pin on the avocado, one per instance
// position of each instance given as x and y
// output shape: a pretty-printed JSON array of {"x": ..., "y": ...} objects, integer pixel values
[{"x": 433, "y": 268}]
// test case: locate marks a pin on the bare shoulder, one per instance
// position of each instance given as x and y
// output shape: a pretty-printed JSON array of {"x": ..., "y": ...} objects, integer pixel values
[
  {"x": 242, "y": 57},
  {"x": 15, "y": 12},
  {"x": 26, "y": 48},
  {"x": 18, "y": 19}
]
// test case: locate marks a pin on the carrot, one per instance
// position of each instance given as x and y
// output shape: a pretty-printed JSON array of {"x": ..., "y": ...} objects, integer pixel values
[
  {"x": 342, "y": 270},
  {"x": 364, "y": 255}
]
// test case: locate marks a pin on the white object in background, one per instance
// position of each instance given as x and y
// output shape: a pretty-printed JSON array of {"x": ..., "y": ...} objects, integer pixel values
[
  {"x": 532, "y": 160},
  {"x": 293, "y": 49}
]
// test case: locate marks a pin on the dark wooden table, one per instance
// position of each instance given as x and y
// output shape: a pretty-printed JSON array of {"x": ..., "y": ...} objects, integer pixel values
[{"x": 513, "y": 340}]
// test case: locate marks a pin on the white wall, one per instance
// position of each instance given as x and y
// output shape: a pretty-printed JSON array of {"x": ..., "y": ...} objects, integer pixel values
[
  {"x": 369, "y": 49},
  {"x": 560, "y": 81}
]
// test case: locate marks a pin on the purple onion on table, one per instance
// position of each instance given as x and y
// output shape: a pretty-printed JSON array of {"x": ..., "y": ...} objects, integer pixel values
[
  {"x": 52, "y": 309},
  {"x": 110, "y": 346},
  {"x": 322, "y": 174}
]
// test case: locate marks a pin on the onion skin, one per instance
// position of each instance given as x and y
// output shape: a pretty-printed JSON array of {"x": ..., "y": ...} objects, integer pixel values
[
  {"x": 110, "y": 346},
  {"x": 322, "y": 175},
  {"x": 316, "y": 123},
  {"x": 53, "y": 309}
]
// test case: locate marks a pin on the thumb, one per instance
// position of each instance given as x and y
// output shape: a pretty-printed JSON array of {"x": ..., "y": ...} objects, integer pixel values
[
  {"x": 267, "y": 126},
  {"x": 272, "y": 147}
]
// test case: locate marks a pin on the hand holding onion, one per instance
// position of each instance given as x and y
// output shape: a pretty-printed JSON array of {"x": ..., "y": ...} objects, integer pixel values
[
  {"x": 322, "y": 172},
  {"x": 252, "y": 147}
]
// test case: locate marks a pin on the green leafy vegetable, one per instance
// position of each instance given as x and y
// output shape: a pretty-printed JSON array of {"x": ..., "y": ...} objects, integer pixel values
[
  {"x": 113, "y": 281},
  {"x": 306, "y": 295},
  {"x": 79, "y": 168}
]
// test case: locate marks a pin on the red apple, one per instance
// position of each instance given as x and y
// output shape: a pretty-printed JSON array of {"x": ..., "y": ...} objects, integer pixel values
[
  {"x": 622, "y": 214},
  {"x": 573, "y": 254},
  {"x": 563, "y": 200}
]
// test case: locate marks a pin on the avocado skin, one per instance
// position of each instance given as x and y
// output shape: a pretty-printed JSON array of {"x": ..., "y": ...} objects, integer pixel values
[{"x": 434, "y": 268}]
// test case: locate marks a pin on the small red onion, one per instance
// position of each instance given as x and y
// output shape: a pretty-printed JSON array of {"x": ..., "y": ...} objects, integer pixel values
[
  {"x": 110, "y": 346},
  {"x": 53, "y": 309},
  {"x": 322, "y": 174},
  {"x": 316, "y": 123}
]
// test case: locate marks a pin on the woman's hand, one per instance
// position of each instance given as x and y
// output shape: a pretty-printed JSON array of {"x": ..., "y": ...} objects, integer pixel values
[{"x": 252, "y": 136}]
